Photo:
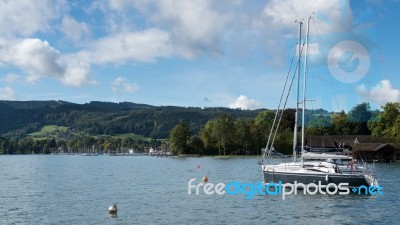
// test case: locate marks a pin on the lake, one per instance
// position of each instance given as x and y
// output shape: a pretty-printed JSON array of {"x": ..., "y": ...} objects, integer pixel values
[{"x": 68, "y": 189}]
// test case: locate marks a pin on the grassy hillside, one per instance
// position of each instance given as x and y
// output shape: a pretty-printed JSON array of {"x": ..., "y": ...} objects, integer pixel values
[
  {"x": 49, "y": 129},
  {"x": 57, "y": 132}
]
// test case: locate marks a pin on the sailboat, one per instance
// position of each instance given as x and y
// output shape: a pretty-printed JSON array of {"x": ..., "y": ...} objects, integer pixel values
[{"x": 310, "y": 168}]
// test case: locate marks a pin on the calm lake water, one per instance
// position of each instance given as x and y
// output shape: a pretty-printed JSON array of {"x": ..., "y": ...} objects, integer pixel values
[{"x": 61, "y": 189}]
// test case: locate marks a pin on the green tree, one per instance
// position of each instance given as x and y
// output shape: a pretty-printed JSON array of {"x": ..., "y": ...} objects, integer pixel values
[
  {"x": 256, "y": 136},
  {"x": 340, "y": 125},
  {"x": 197, "y": 145},
  {"x": 385, "y": 123},
  {"x": 358, "y": 118},
  {"x": 3, "y": 145},
  {"x": 283, "y": 142},
  {"x": 243, "y": 134},
  {"x": 287, "y": 121},
  {"x": 224, "y": 131},
  {"x": 264, "y": 122},
  {"x": 179, "y": 137},
  {"x": 319, "y": 125},
  {"x": 206, "y": 135},
  {"x": 52, "y": 144}
]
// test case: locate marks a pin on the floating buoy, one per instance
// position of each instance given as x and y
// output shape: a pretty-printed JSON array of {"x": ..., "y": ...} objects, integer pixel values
[
  {"x": 205, "y": 179},
  {"x": 113, "y": 209}
]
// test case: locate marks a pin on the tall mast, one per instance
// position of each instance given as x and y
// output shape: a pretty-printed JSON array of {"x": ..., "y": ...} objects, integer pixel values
[
  {"x": 304, "y": 90},
  {"x": 297, "y": 100}
]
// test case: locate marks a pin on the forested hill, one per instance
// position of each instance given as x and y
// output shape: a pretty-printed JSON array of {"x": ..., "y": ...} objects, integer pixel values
[{"x": 19, "y": 118}]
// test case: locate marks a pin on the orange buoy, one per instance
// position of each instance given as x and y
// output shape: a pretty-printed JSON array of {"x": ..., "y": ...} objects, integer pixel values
[{"x": 205, "y": 179}]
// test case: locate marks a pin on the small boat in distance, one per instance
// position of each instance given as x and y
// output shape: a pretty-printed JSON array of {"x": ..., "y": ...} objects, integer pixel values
[
  {"x": 89, "y": 154},
  {"x": 159, "y": 153},
  {"x": 130, "y": 152}
]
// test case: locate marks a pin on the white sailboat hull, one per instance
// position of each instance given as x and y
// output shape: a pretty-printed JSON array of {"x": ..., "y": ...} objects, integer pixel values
[{"x": 293, "y": 172}]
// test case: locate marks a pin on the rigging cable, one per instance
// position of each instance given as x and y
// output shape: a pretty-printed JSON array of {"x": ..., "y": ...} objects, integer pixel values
[
  {"x": 280, "y": 101},
  {"x": 287, "y": 97}
]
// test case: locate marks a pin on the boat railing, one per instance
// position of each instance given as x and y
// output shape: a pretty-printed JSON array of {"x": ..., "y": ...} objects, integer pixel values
[{"x": 285, "y": 166}]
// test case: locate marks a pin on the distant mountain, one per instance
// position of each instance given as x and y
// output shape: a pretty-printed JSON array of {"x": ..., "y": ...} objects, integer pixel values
[
  {"x": 9, "y": 105},
  {"x": 19, "y": 118},
  {"x": 121, "y": 105}
]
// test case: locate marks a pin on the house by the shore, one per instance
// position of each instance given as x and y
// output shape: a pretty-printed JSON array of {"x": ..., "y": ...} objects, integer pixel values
[{"x": 366, "y": 147}]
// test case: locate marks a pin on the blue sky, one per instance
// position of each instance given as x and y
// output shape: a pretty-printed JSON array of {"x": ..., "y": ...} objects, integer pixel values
[{"x": 199, "y": 53}]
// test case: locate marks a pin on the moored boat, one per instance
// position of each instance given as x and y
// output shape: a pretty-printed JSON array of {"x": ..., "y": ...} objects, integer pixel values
[{"x": 307, "y": 167}]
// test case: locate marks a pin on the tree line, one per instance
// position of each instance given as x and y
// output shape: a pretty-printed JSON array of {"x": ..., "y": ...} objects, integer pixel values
[
  {"x": 209, "y": 131},
  {"x": 76, "y": 144},
  {"x": 225, "y": 135}
]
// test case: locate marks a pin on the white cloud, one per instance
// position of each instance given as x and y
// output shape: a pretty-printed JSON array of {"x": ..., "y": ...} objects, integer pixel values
[
  {"x": 37, "y": 58},
  {"x": 313, "y": 49},
  {"x": 25, "y": 17},
  {"x": 196, "y": 25},
  {"x": 122, "y": 84},
  {"x": 332, "y": 16},
  {"x": 131, "y": 87},
  {"x": 243, "y": 102},
  {"x": 193, "y": 27},
  {"x": 141, "y": 46},
  {"x": 34, "y": 56},
  {"x": 11, "y": 78},
  {"x": 278, "y": 22},
  {"x": 119, "y": 4},
  {"x": 7, "y": 93},
  {"x": 73, "y": 29},
  {"x": 77, "y": 74},
  {"x": 382, "y": 93}
]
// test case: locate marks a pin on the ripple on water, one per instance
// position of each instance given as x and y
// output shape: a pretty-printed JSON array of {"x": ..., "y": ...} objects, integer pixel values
[{"x": 150, "y": 190}]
